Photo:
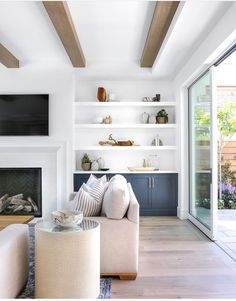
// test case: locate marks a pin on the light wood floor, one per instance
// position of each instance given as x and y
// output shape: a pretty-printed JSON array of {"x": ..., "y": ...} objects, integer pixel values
[{"x": 178, "y": 261}]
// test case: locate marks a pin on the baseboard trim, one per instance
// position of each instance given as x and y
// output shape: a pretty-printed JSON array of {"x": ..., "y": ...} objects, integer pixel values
[{"x": 122, "y": 276}]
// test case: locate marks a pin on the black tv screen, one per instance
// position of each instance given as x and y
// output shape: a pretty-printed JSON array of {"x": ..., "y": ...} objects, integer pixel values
[{"x": 24, "y": 115}]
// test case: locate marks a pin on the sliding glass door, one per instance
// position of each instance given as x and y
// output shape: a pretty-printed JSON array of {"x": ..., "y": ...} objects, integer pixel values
[{"x": 203, "y": 155}]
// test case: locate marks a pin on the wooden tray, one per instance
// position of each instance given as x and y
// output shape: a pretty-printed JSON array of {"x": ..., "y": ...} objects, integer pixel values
[{"x": 138, "y": 168}]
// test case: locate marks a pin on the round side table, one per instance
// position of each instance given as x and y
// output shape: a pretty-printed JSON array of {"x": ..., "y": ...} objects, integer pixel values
[{"x": 67, "y": 261}]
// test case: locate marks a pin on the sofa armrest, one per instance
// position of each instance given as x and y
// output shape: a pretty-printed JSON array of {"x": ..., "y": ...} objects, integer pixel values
[
  {"x": 13, "y": 260},
  {"x": 133, "y": 210}
]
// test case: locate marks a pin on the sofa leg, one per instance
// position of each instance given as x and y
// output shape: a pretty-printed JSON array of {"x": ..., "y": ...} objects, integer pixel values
[{"x": 127, "y": 276}]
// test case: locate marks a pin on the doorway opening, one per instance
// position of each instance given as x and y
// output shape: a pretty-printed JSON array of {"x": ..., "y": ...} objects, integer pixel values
[{"x": 225, "y": 79}]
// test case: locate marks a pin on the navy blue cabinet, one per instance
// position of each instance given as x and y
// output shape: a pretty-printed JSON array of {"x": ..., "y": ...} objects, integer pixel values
[{"x": 157, "y": 194}]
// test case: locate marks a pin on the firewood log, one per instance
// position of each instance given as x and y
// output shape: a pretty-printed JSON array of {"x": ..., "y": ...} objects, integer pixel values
[
  {"x": 18, "y": 208},
  {"x": 4, "y": 202},
  {"x": 18, "y": 196},
  {"x": 16, "y": 201},
  {"x": 33, "y": 204}
]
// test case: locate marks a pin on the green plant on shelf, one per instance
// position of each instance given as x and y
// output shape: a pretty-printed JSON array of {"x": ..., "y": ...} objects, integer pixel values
[
  {"x": 162, "y": 116},
  {"x": 85, "y": 159}
]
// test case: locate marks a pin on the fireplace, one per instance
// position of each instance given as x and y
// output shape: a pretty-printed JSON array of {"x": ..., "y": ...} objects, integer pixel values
[{"x": 21, "y": 191}]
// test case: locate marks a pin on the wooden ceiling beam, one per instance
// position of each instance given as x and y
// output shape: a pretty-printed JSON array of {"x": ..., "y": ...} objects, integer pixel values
[
  {"x": 162, "y": 17},
  {"x": 58, "y": 12},
  {"x": 7, "y": 58}
]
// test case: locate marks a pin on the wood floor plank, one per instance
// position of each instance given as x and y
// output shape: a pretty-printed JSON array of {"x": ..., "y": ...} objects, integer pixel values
[{"x": 178, "y": 261}]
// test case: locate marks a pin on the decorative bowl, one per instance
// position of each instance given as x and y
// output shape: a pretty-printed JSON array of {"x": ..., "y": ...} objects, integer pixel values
[{"x": 67, "y": 218}]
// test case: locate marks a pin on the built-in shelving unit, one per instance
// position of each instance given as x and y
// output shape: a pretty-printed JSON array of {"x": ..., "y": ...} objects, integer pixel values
[
  {"x": 126, "y": 125},
  {"x": 123, "y": 104},
  {"x": 125, "y": 148}
]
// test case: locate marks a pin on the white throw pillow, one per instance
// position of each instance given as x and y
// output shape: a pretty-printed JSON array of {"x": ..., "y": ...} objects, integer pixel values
[
  {"x": 93, "y": 180},
  {"x": 116, "y": 198}
]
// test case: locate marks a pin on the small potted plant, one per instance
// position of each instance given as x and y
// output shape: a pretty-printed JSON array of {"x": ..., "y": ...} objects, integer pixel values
[
  {"x": 85, "y": 162},
  {"x": 162, "y": 116}
]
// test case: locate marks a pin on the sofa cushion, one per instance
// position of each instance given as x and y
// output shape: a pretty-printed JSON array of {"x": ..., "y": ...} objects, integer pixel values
[
  {"x": 116, "y": 198},
  {"x": 93, "y": 180},
  {"x": 89, "y": 198}
]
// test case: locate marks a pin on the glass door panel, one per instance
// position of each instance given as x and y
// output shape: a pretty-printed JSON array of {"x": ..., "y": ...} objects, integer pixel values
[{"x": 200, "y": 149}]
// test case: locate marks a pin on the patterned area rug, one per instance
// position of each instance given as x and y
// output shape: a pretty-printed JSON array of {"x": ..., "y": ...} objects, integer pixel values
[{"x": 28, "y": 291}]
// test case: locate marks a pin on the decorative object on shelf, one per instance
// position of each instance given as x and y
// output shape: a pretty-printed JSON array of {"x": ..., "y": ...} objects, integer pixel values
[
  {"x": 107, "y": 120},
  {"x": 85, "y": 162},
  {"x": 101, "y": 94},
  {"x": 138, "y": 168},
  {"x": 98, "y": 120},
  {"x": 153, "y": 161},
  {"x": 101, "y": 163},
  {"x": 145, "y": 163},
  {"x": 152, "y": 119},
  {"x": 157, "y": 97},
  {"x": 162, "y": 116},
  {"x": 145, "y": 117},
  {"x": 111, "y": 97},
  {"x": 67, "y": 218},
  {"x": 113, "y": 142},
  {"x": 147, "y": 99},
  {"x": 105, "y": 169},
  {"x": 95, "y": 165},
  {"x": 157, "y": 141}
]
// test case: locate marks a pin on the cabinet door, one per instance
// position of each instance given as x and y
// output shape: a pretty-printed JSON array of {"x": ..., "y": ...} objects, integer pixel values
[
  {"x": 141, "y": 185},
  {"x": 164, "y": 194}
]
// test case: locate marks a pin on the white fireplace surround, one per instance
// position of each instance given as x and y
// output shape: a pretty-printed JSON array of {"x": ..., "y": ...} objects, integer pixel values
[{"x": 48, "y": 155}]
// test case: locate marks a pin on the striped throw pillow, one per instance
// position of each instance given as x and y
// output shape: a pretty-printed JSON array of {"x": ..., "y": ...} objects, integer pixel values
[{"x": 89, "y": 199}]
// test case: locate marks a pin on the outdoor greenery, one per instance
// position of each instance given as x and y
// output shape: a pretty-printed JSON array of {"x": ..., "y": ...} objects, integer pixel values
[{"x": 226, "y": 115}]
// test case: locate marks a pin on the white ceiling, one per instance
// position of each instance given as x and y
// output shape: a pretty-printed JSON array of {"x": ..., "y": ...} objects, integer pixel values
[
  {"x": 112, "y": 34},
  {"x": 26, "y": 30},
  {"x": 195, "y": 21},
  {"x": 112, "y": 30}
]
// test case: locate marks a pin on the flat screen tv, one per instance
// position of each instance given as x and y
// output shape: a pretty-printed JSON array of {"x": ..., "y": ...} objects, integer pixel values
[{"x": 24, "y": 115}]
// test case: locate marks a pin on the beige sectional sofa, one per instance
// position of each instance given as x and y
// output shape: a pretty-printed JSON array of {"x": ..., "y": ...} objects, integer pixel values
[
  {"x": 120, "y": 241},
  {"x": 13, "y": 260}
]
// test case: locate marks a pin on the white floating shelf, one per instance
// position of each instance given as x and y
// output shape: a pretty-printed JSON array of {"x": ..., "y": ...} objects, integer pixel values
[
  {"x": 123, "y": 171},
  {"x": 122, "y": 148},
  {"x": 125, "y": 126},
  {"x": 124, "y": 103}
]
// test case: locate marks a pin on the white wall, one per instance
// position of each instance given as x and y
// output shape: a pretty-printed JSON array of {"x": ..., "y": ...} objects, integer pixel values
[
  {"x": 58, "y": 82},
  {"x": 213, "y": 45}
]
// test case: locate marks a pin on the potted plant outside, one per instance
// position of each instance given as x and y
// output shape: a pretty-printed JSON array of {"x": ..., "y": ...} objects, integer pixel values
[
  {"x": 85, "y": 162},
  {"x": 162, "y": 116}
]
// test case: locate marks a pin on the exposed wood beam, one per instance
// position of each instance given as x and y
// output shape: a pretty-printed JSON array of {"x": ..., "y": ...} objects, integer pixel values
[
  {"x": 60, "y": 16},
  {"x": 162, "y": 17},
  {"x": 7, "y": 58}
]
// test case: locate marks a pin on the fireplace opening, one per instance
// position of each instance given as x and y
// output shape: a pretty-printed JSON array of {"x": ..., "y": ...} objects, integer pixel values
[{"x": 21, "y": 191}]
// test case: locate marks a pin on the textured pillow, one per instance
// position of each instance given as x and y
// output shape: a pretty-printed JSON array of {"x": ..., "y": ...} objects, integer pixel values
[
  {"x": 93, "y": 180},
  {"x": 116, "y": 198},
  {"x": 89, "y": 199}
]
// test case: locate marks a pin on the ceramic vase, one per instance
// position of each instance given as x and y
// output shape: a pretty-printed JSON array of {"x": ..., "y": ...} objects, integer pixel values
[
  {"x": 144, "y": 117},
  {"x": 101, "y": 95}
]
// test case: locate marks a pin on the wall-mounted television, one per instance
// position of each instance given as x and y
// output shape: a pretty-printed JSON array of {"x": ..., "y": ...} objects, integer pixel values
[{"x": 24, "y": 115}]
